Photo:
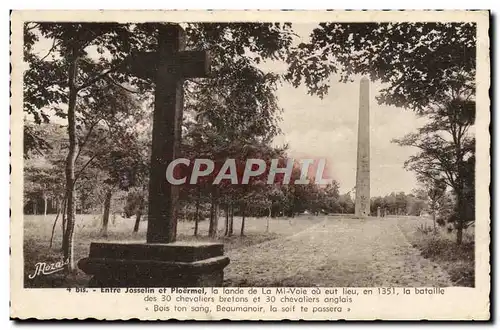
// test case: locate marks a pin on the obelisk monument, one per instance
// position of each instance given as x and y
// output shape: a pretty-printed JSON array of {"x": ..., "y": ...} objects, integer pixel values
[{"x": 362, "y": 203}]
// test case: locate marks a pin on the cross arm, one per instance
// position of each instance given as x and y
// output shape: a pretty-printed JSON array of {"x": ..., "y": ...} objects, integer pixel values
[{"x": 190, "y": 64}]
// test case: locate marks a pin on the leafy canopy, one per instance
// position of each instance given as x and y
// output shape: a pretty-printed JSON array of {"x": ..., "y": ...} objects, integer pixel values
[{"x": 417, "y": 62}]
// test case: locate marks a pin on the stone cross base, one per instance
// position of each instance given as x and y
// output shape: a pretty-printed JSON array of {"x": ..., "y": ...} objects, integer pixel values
[{"x": 179, "y": 264}]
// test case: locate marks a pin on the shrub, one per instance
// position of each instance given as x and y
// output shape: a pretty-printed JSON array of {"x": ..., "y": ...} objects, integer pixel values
[
  {"x": 441, "y": 221},
  {"x": 457, "y": 260},
  {"x": 425, "y": 229},
  {"x": 135, "y": 201}
]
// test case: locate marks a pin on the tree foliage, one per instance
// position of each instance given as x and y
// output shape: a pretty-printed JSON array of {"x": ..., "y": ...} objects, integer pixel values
[
  {"x": 427, "y": 67},
  {"x": 399, "y": 204},
  {"x": 85, "y": 78},
  {"x": 417, "y": 62}
]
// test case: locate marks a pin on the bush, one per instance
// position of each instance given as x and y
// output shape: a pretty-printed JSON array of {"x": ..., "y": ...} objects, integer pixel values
[
  {"x": 441, "y": 221},
  {"x": 463, "y": 274},
  {"x": 457, "y": 260},
  {"x": 425, "y": 229},
  {"x": 135, "y": 201}
]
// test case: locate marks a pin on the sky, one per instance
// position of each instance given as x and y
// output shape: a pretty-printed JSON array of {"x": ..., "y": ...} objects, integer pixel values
[{"x": 327, "y": 128}]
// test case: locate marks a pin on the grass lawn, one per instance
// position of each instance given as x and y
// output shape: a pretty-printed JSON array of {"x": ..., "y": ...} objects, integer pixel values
[
  {"x": 441, "y": 247},
  {"x": 37, "y": 231},
  {"x": 301, "y": 251},
  {"x": 341, "y": 251}
]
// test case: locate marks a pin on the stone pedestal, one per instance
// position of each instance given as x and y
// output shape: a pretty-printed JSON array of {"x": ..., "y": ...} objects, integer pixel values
[{"x": 134, "y": 264}]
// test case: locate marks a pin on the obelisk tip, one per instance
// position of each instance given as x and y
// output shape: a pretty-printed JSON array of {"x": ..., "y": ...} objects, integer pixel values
[{"x": 365, "y": 79}]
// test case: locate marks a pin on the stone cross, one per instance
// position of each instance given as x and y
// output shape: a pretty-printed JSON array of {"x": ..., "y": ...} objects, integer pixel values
[
  {"x": 362, "y": 203},
  {"x": 167, "y": 67}
]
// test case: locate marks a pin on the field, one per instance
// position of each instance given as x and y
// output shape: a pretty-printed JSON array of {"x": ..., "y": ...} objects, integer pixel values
[
  {"x": 37, "y": 231},
  {"x": 302, "y": 251}
]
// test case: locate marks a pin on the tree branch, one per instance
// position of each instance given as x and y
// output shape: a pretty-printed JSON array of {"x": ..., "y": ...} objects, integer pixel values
[
  {"x": 77, "y": 176},
  {"x": 86, "y": 138},
  {"x": 35, "y": 25},
  {"x": 111, "y": 80},
  {"x": 196, "y": 82},
  {"x": 50, "y": 50},
  {"x": 100, "y": 76}
]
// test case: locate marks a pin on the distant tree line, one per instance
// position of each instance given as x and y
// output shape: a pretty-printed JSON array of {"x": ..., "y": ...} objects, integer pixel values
[
  {"x": 112, "y": 177},
  {"x": 399, "y": 204}
]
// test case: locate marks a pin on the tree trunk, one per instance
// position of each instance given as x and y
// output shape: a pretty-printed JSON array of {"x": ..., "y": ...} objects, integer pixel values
[
  {"x": 77, "y": 197},
  {"x": 459, "y": 189},
  {"x": 459, "y": 234},
  {"x": 105, "y": 216},
  {"x": 54, "y": 226},
  {"x": 34, "y": 207},
  {"x": 44, "y": 206},
  {"x": 242, "y": 232},
  {"x": 138, "y": 214},
  {"x": 217, "y": 212},
  {"x": 226, "y": 224},
  {"x": 212, "y": 229},
  {"x": 460, "y": 217},
  {"x": 197, "y": 216},
  {"x": 434, "y": 221},
  {"x": 137, "y": 220},
  {"x": 268, "y": 217},
  {"x": 70, "y": 163},
  {"x": 211, "y": 219},
  {"x": 231, "y": 220},
  {"x": 63, "y": 222},
  {"x": 459, "y": 192}
]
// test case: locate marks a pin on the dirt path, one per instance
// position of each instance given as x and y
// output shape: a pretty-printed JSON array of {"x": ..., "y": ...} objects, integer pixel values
[{"x": 336, "y": 252}]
